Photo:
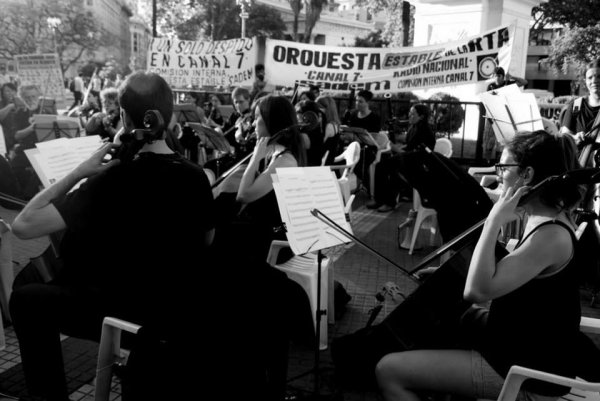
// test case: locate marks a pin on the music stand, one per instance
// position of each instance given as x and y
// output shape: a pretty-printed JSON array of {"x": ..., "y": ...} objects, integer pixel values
[
  {"x": 50, "y": 126},
  {"x": 186, "y": 113}
]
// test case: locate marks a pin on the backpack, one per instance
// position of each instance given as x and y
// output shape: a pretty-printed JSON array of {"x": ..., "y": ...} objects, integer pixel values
[{"x": 72, "y": 85}]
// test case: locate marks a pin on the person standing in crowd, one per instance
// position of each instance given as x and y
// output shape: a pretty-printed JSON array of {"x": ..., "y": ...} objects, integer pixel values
[
  {"x": 388, "y": 183},
  {"x": 78, "y": 88},
  {"x": 580, "y": 114},
  {"x": 361, "y": 121},
  {"x": 500, "y": 79},
  {"x": 96, "y": 85},
  {"x": 491, "y": 146},
  {"x": 260, "y": 83},
  {"x": 109, "y": 225},
  {"x": 533, "y": 319}
]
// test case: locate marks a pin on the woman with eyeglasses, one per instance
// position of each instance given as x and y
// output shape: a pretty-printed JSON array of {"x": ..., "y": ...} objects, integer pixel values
[{"x": 534, "y": 310}]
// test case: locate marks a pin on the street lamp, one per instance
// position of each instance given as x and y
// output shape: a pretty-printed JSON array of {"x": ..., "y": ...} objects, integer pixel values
[
  {"x": 243, "y": 13},
  {"x": 53, "y": 23}
]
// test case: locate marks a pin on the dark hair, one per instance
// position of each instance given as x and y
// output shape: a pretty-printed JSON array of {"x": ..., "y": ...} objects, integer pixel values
[
  {"x": 365, "y": 94},
  {"x": 499, "y": 71},
  {"x": 309, "y": 95},
  {"x": 9, "y": 85},
  {"x": 593, "y": 64},
  {"x": 259, "y": 67},
  {"x": 548, "y": 155},
  {"x": 143, "y": 91},
  {"x": 314, "y": 88},
  {"x": 239, "y": 91},
  {"x": 422, "y": 110},
  {"x": 280, "y": 119}
]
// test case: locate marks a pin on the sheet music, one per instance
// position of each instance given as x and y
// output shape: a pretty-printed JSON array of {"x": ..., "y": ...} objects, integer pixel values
[
  {"x": 58, "y": 157},
  {"x": 510, "y": 111},
  {"x": 300, "y": 190}
]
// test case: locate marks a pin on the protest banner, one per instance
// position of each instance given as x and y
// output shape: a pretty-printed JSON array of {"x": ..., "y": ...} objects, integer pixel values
[
  {"x": 389, "y": 70},
  {"x": 43, "y": 71},
  {"x": 189, "y": 65}
]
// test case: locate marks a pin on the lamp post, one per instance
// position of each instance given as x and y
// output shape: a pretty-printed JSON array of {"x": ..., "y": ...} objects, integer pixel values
[
  {"x": 243, "y": 14},
  {"x": 53, "y": 23}
]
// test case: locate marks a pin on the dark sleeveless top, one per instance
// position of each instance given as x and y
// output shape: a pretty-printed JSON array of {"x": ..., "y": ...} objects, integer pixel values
[
  {"x": 536, "y": 325},
  {"x": 264, "y": 211}
]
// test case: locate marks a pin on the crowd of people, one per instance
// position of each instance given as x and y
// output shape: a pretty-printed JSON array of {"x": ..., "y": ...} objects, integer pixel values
[{"x": 122, "y": 258}]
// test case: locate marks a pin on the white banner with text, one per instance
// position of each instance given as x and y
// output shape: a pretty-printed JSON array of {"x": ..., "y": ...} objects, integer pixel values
[
  {"x": 43, "y": 71},
  {"x": 389, "y": 70},
  {"x": 186, "y": 64}
]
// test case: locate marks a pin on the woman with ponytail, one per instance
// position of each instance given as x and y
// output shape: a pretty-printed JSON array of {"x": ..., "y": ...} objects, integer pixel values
[{"x": 534, "y": 313}]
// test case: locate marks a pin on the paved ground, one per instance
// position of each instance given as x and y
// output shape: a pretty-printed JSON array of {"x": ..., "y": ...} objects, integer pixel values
[{"x": 360, "y": 272}]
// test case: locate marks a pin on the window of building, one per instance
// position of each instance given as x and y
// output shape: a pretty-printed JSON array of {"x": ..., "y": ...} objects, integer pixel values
[{"x": 90, "y": 3}]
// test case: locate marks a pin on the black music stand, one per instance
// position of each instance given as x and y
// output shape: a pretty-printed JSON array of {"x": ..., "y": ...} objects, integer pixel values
[
  {"x": 186, "y": 113},
  {"x": 49, "y": 126}
]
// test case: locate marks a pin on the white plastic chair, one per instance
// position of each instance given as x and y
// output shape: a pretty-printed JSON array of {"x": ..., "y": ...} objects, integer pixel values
[
  {"x": 303, "y": 270},
  {"x": 348, "y": 181},
  {"x": 444, "y": 147},
  {"x": 109, "y": 352},
  {"x": 580, "y": 389}
]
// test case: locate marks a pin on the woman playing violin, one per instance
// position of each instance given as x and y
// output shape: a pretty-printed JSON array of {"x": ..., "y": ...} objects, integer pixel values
[{"x": 534, "y": 313}]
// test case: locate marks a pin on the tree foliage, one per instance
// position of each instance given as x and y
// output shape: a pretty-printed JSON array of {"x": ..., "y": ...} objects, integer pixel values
[
  {"x": 373, "y": 39},
  {"x": 575, "y": 47},
  {"x": 25, "y": 29},
  {"x": 213, "y": 20},
  {"x": 397, "y": 29},
  {"x": 572, "y": 14},
  {"x": 446, "y": 118}
]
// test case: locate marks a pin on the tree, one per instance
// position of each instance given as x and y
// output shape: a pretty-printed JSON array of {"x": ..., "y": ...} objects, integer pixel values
[
  {"x": 572, "y": 14},
  {"x": 25, "y": 29},
  {"x": 296, "y": 6},
  {"x": 447, "y": 118},
  {"x": 398, "y": 30},
  {"x": 575, "y": 47},
  {"x": 215, "y": 20},
  {"x": 373, "y": 39},
  {"x": 313, "y": 13}
]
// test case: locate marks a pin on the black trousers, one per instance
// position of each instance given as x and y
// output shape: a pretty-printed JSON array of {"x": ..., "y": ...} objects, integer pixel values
[
  {"x": 40, "y": 313},
  {"x": 388, "y": 181}
]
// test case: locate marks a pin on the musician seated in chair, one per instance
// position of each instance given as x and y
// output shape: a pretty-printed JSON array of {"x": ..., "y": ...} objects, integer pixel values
[
  {"x": 388, "y": 183},
  {"x": 533, "y": 319},
  {"x": 244, "y": 239},
  {"x": 136, "y": 233}
]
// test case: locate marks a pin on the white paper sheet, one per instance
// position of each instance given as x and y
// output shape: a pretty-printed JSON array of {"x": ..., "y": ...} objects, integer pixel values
[{"x": 299, "y": 191}]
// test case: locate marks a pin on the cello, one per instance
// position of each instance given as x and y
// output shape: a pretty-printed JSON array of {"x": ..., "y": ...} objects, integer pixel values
[{"x": 429, "y": 317}]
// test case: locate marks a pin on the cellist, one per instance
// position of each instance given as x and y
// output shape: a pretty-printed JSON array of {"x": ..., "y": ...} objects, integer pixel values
[{"x": 534, "y": 313}]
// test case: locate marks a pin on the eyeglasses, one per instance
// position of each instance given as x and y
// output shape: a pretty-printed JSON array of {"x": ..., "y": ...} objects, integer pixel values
[{"x": 501, "y": 167}]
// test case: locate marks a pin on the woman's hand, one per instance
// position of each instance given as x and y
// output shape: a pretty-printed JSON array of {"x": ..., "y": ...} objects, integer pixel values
[
  {"x": 505, "y": 209},
  {"x": 260, "y": 149},
  {"x": 96, "y": 163}
]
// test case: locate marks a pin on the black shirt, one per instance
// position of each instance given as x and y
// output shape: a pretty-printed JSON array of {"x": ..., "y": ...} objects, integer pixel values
[
  {"x": 581, "y": 121},
  {"x": 137, "y": 230},
  {"x": 372, "y": 122}
]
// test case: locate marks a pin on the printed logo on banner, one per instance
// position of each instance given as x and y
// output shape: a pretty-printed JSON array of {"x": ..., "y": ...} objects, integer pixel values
[{"x": 486, "y": 66}]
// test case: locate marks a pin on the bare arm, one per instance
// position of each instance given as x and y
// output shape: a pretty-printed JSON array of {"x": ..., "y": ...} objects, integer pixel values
[
  {"x": 253, "y": 187},
  {"x": 40, "y": 217},
  {"x": 520, "y": 81},
  {"x": 546, "y": 248}
]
